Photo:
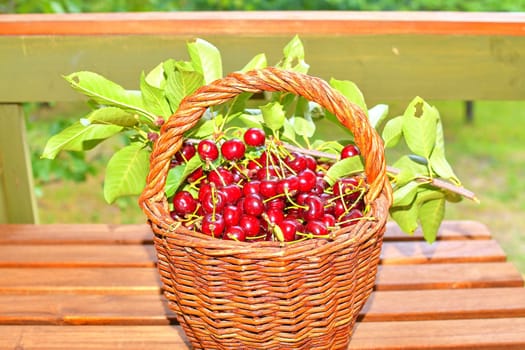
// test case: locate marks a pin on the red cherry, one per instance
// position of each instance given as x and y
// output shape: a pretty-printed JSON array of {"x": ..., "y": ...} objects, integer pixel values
[
  {"x": 233, "y": 149},
  {"x": 195, "y": 175},
  {"x": 315, "y": 208},
  {"x": 347, "y": 188},
  {"x": 290, "y": 184},
  {"x": 307, "y": 180},
  {"x": 232, "y": 193},
  {"x": 254, "y": 137},
  {"x": 208, "y": 150},
  {"x": 234, "y": 233},
  {"x": 184, "y": 203},
  {"x": 349, "y": 151},
  {"x": 351, "y": 218},
  {"x": 250, "y": 224},
  {"x": 186, "y": 152},
  {"x": 296, "y": 161},
  {"x": 213, "y": 201},
  {"x": 220, "y": 177},
  {"x": 311, "y": 163},
  {"x": 289, "y": 229},
  {"x": 316, "y": 227},
  {"x": 328, "y": 220},
  {"x": 251, "y": 187},
  {"x": 232, "y": 215},
  {"x": 268, "y": 188},
  {"x": 253, "y": 205},
  {"x": 213, "y": 225},
  {"x": 275, "y": 216},
  {"x": 276, "y": 203}
]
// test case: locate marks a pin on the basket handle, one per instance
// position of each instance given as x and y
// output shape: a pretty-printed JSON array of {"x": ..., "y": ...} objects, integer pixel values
[{"x": 271, "y": 79}]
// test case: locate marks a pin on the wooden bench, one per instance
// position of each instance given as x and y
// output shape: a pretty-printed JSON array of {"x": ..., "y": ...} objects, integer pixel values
[{"x": 96, "y": 286}]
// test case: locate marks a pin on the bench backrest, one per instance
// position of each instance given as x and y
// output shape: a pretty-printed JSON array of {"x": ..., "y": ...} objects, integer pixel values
[{"x": 390, "y": 55}]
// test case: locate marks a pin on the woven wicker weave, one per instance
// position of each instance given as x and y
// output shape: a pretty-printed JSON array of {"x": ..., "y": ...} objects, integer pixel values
[{"x": 261, "y": 295}]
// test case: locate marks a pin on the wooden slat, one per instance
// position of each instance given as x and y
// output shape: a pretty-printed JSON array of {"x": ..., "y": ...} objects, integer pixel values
[
  {"x": 498, "y": 333},
  {"x": 17, "y": 199},
  {"x": 111, "y": 280},
  {"x": 75, "y": 234},
  {"x": 452, "y": 304},
  {"x": 80, "y": 280},
  {"x": 386, "y": 67},
  {"x": 268, "y": 22},
  {"x": 449, "y": 230},
  {"x": 152, "y": 309},
  {"x": 453, "y": 275},
  {"x": 77, "y": 256},
  {"x": 141, "y": 233},
  {"x": 144, "y": 255},
  {"x": 443, "y": 251}
]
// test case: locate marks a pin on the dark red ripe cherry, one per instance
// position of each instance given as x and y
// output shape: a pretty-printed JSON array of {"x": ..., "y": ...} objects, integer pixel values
[
  {"x": 220, "y": 177},
  {"x": 232, "y": 215},
  {"x": 275, "y": 216},
  {"x": 250, "y": 224},
  {"x": 289, "y": 184},
  {"x": 213, "y": 225},
  {"x": 208, "y": 150},
  {"x": 296, "y": 161},
  {"x": 311, "y": 163},
  {"x": 234, "y": 233},
  {"x": 195, "y": 175},
  {"x": 315, "y": 208},
  {"x": 232, "y": 193},
  {"x": 253, "y": 205},
  {"x": 349, "y": 151},
  {"x": 307, "y": 180},
  {"x": 351, "y": 218},
  {"x": 328, "y": 220},
  {"x": 233, "y": 149},
  {"x": 254, "y": 137},
  {"x": 276, "y": 203},
  {"x": 186, "y": 152},
  {"x": 268, "y": 188},
  {"x": 289, "y": 229},
  {"x": 345, "y": 186},
  {"x": 316, "y": 227},
  {"x": 184, "y": 203},
  {"x": 213, "y": 201},
  {"x": 251, "y": 187}
]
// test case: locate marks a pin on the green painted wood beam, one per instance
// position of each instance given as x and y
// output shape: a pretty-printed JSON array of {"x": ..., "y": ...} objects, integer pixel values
[
  {"x": 17, "y": 200},
  {"x": 386, "y": 67}
]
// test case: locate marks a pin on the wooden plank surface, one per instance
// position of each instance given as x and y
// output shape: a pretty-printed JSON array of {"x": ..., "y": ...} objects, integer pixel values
[
  {"x": 498, "y": 333},
  {"x": 102, "y": 291},
  {"x": 140, "y": 280},
  {"x": 142, "y": 234},
  {"x": 152, "y": 309}
]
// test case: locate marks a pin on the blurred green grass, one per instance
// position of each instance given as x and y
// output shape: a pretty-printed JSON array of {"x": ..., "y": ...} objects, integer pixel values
[{"x": 487, "y": 154}]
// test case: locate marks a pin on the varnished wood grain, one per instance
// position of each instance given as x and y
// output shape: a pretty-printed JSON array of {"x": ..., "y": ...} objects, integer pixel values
[
  {"x": 152, "y": 309},
  {"x": 267, "y": 22},
  {"x": 499, "y": 333},
  {"x": 142, "y": 234}
]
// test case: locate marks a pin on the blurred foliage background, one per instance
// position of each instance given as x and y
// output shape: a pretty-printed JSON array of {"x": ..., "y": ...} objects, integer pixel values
[{"x": 74, "y": 6}]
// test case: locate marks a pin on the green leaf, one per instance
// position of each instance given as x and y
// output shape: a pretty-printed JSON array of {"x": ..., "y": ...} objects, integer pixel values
[
  {"x": 126, "y": 172},
  {"x": 419, "y": 127},
  {"x": 405, "y": 217},
  {"x": 107, "y": 93},
  {"x": 393, "y": 131},
  {"x": 273, "y": 115},
  {"x": 409, "y": 170},
  {"x": 343, "y": 168},
  {"x": 178, "y": 174},
  {"x": 294, "y": 56},
  {"x": 206, "y": 60},
  {"x": 377, "y": 114},
  {"x": 431, "y": 214},
  {"x": 288, "y": 130},
  {"x": 438, "y": 161},
  {"x": 112, "y": 115},
  {"x": 204, "y": 129},
  {"x": 181, "y": 81},
  {"x": 302, "y": 126},
  {"x": 257, "y": 62},
  {"x": 78, "y": 137},
  {"x": 153, "y": 98},
  {"x": 405, "y": 195},
  {"x": 251, "y": 120},
  {"x": 156, "y": 77},
  {"x": 350, "y": 91}
]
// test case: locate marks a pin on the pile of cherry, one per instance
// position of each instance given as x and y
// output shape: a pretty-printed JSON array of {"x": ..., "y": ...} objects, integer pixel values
[{"x": 276, "y": 195}]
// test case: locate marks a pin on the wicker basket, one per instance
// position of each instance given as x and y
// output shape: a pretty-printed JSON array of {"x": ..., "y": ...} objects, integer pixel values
[{"x": 236, "y": 295}]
